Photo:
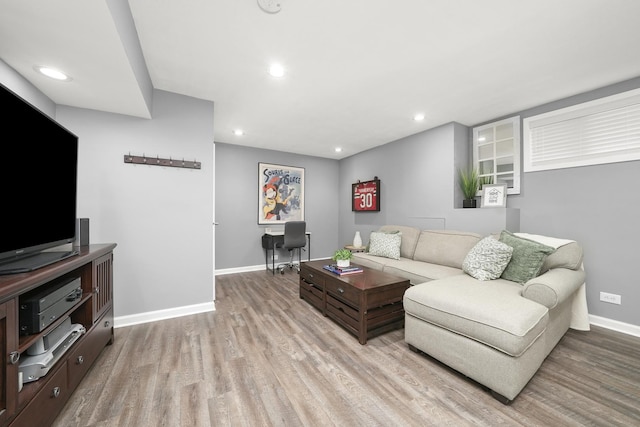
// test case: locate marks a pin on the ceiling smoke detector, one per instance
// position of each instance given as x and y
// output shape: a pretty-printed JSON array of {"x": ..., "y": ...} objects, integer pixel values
[{"x": 269, "y": 6}]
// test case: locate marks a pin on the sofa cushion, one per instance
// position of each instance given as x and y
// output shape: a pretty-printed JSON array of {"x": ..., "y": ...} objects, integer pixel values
[
  {"x": 445, "y": 247},
  {"x": 371, "y": 261},
  {"x": 415, "y": 272},
  {"x": 492, "y": 313},
  {"x": 409, "y": 238},
  {"x": 527, "y": 258},
  {"x": 385, "y": 244},
  {"x": 487, "y": 259},
  {"x": 419, "y": 272}
]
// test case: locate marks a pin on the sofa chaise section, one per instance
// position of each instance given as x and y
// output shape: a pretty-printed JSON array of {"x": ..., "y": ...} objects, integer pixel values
[{"x": 496, "y": 332}]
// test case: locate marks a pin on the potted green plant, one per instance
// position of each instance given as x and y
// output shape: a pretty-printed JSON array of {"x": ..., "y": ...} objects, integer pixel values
[
  {"x": 469, "y": 184},
  {"x": 342, "y": 257}
]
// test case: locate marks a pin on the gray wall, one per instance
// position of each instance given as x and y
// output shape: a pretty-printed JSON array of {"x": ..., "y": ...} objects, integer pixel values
[
  {"x": 596, "y": 205},
  {"x": 238, "y": 235},
  {"x": 160, "y": 217},
  {"x": 418, "y": 179},
  {"x": 410, "y": 193}
]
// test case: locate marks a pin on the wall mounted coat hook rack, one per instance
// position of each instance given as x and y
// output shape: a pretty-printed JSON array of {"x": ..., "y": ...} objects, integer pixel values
[{"x": 159, "y": 161}]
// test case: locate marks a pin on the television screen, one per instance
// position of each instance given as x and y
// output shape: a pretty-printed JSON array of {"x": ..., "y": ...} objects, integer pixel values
[{"x": 38, "y": 186}]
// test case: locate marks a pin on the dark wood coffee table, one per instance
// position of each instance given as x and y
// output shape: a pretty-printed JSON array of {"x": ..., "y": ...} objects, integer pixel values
[{"x": 366, "y": 304}]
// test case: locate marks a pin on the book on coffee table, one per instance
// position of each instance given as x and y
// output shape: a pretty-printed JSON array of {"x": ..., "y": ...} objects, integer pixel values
[{"x": 341, "y": 271}]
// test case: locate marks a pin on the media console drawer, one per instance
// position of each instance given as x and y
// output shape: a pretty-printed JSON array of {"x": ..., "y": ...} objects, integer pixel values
[
  {"x": 89, "y": 349},
  {"x": 47, "y": 402}
]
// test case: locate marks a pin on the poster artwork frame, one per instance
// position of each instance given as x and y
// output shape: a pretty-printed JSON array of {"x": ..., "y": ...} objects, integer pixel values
[{"x": 273, "y": 180}]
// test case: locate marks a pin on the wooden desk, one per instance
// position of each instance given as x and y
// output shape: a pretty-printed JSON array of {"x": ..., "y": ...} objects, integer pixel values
[{"x": 269, "y": 241}]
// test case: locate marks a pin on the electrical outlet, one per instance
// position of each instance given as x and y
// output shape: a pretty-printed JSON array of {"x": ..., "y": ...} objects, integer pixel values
[
  {"x": 610, "y": 298},
  {"x": 275, "y": 257}
]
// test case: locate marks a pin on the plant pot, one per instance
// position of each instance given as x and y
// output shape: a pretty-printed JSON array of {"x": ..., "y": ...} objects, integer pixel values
[
  {"x": 342, "y": 262},
  {"x": 469, "y": 203}
]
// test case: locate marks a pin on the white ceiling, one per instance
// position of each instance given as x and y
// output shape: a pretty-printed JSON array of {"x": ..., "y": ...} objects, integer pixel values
[{"x": 356, "y": 71}]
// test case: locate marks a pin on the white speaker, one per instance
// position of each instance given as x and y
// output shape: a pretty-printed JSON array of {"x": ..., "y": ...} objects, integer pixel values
[{"x": 82, "y": 232}]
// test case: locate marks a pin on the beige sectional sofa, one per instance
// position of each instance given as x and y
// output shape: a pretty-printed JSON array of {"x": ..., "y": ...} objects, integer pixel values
[{"x": 497, "y": 332}]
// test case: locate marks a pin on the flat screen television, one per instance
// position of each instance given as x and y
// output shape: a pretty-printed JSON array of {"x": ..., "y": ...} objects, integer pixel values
[{"x": 38, "y": 186}]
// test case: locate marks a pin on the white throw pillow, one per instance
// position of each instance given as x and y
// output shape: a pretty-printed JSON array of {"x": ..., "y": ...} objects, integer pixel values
[
  {"x": 385, "y": 244},
  {"x": 487, "y": 259}
]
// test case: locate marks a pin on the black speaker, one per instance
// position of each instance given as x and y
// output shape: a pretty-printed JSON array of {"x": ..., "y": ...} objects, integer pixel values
[{"x": 82, "y": 232}]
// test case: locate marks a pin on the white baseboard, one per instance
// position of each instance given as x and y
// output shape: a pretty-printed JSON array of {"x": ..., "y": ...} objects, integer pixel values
[
  {"x": 240, "y": 269},
  {"x": 625, "y": 328},
  {"x": 249, "y": 268},
  {"x": 153, "y": 316}
]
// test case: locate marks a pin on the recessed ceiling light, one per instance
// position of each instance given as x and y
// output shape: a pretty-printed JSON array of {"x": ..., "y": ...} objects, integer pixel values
[
  {"x": 418, "y": 117},
  {"x": 238, "y": 132},
  {"x": 338, "y": 149},
  {"x": 276, "y": 70},
  {"x": 53, "y": 73}
]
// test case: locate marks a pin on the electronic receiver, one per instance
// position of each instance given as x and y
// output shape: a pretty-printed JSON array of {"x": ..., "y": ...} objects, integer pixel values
[{"x": 38, "y": 310}]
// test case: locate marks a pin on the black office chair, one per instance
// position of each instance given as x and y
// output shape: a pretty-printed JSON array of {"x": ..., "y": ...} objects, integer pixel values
[{"x": 295, "y": 237}]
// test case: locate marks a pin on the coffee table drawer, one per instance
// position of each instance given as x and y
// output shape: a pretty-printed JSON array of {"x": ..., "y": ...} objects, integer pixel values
[
  {"x": 343, "y": 314},
  {"x": 311, "y": 277},
  {"x": 343, "y": 292},
  {"x": 312, "y": 293},
  {"x": 385, "y": 314}
]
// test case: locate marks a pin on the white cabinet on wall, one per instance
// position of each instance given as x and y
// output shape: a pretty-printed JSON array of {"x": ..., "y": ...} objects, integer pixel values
[{"x": 496, "y": 153}]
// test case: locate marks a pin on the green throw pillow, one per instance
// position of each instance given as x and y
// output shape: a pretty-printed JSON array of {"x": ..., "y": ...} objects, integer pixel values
[
  {"x": 527, "y": 258},
  {"x": 385, "y": 245},
  {"x": 487, "y": 259}
]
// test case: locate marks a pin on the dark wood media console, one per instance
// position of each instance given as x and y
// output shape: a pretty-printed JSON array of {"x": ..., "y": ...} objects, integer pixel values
[{"x": 40, "y": 401}]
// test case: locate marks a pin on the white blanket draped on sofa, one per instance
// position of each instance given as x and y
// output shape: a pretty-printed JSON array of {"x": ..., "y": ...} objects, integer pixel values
[{"x": 579, "y": 310}]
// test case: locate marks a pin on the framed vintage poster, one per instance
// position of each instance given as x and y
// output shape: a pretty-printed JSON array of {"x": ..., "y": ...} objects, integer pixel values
[
  {"x": 365, "y": 196},
  {"x": 494, "y": 195},
  {"x": 280, "y": 193}
]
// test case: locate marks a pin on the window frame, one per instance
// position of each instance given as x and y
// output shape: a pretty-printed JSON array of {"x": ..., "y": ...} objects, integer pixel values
[{"x": 514, "y": 121}]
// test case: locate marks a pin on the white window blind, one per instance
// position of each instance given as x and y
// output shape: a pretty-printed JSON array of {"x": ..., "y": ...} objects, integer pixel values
[{"x": 606, "y": 130}]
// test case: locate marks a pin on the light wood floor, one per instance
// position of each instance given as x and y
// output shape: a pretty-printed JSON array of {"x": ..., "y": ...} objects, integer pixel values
[{"x": 267, "y": 358}]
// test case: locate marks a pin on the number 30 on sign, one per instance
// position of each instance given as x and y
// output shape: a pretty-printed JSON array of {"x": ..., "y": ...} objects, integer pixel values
[{"x": 365, "y": 196}]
